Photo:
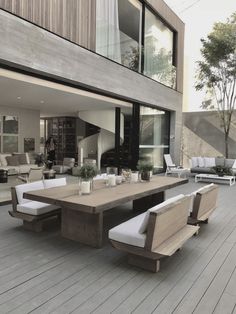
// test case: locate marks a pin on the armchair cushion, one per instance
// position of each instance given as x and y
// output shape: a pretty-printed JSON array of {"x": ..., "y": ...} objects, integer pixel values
[
  {"x": 12, "y": 160},
  {"x": 51, "y": 183},
  {"x": 3, "y": 159}
]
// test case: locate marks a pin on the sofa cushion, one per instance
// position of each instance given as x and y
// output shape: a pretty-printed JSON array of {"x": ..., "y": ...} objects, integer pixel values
[
  {"x": 209, "y": 162},
  {"x": 12, "y": 160},
  {"x": 3, "y": 159},
  {"x": 234, "y": 164},
  {"x": 128, "y": 232},
  {"x": 22, "y": 188},
  {"x": 35, "y": 208},
  {"x": 144, "y": 224},
  {"x": 220, "y": 161},
  {"x": 229, "y": 162},
  {"x": 200, "y": 162},
  {"x": 194, "y": 161},
  {"x": 51, "y": 183}
]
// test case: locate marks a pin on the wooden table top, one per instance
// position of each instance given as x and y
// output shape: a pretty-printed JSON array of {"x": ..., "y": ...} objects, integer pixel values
[{"x": 102, "y": 197}]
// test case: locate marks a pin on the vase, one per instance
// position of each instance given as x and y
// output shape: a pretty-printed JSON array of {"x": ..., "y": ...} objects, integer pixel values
[
  {"x": 86, "y": 186},
  {"x": 145, "y": 176}
]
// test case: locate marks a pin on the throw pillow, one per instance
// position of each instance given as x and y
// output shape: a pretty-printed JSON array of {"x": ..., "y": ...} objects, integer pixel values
[
  {"x": 200, "y": 162},
  {"x": 209, "y": 162},
  {"x": 194, "y": 161},
  {"x": 12, "y": 160},
  {"x": 22, "y": 158}
]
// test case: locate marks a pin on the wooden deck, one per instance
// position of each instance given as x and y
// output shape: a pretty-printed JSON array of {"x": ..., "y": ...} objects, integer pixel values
[{"x": 44, "y": 273}]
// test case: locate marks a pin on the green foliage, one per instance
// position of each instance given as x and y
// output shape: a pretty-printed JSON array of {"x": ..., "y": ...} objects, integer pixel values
[
  {"x": 144, "y": 166},
  {"x": 221, "y": 170},
  {"x": 87, "y": 172},
  {"x": 217, "y": 71}
]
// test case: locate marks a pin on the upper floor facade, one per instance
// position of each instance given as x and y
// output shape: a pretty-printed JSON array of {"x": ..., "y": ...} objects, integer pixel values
[{"x": 144, "y": 36}]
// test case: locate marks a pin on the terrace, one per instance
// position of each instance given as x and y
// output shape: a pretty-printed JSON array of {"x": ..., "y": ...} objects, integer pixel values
[{"x": 45, "y": 273}]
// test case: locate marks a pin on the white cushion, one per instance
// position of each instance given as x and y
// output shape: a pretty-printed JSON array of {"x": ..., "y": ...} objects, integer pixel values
[
  {"x": 234, "y": 165},
  {"x": 3, "y": 159},
  {"x": 51, "y": 183},
  {"x": 128, "y": 232},
  {"x": 209, "y": 162},
  {"x": 194, "y": 161},
  {"x": 22, "y": 188},
  {"x": 35, "y": 208},
  {"x": 200, "y": 162},
  {"x": 27, "y": 158},
  {"x": 143, "y": 226}
]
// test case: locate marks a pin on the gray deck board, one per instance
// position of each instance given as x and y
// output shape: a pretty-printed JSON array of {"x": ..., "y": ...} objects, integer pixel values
[{"x": 44, "y": 273}]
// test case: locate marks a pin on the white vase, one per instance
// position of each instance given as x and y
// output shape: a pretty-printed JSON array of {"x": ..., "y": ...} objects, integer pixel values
[{"x": 85, "y": 187}]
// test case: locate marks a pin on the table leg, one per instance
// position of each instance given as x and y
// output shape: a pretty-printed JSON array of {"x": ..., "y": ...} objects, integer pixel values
[
  {"x": 82, "y": 227},
  {"x": 149, "y": 201}
]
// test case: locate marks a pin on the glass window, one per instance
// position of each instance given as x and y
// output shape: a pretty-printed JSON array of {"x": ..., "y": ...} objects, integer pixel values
[
  {"x": 154, "y": 136},
  {"x": 158, "y": 50},
  {"x": 118, "y": 31},
  {"x": 10, "y": 143},
  {"x": 10, "y": 124}
]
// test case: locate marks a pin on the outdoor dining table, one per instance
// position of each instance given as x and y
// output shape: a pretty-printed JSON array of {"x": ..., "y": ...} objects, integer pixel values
[{"x": 82, "y": 215}]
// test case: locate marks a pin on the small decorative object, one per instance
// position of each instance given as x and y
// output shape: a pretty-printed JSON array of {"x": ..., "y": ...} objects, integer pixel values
[
  {"x": 145, "y": 168},
  {"x": 111, "y": 180},
  {"x": 119, "y": 179},
  {"x": 87, "y": 173},
  {"x": 134, "y": 177},
  {"x": 222, "y": 171},
  {"x": 126, "y": 174}
]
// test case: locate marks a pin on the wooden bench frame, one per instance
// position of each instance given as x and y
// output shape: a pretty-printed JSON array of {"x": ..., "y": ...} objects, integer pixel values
[
  {"x": 167, "y": 231},
  {"x": 203, "y": 206},
  {"x": 31, "y": 222}
]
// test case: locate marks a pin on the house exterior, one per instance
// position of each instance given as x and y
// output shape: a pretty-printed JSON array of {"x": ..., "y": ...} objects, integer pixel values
[{"x": 104, "y": 77}]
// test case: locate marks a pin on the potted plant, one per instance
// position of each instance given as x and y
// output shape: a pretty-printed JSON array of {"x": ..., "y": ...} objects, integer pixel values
[
  {"x": 87, "y": 173},
  {"x": 221, "y": 170},
  {"x": 145, "y": 168}
]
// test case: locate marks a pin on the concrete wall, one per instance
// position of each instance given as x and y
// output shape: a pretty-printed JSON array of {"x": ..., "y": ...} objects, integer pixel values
[
  {"x": 29, "y": 124},
  {"x": 204, "y": 136},
  {"x": 28, "y": 47}
]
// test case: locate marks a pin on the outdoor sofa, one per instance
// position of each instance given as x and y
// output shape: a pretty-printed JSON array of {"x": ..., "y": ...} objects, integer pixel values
[
  {"x": 205, "y": 164},
  {"x": 16, "y": 163}
]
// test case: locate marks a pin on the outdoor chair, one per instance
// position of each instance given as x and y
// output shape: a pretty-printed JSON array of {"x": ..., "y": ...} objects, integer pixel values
[
  {"x": 34, "y": 174},
  {"x": 171, "y": 168},
  {"x": 159, "y": 232},
  {"x": 203, "y": 204},
  {"x": 67, "y": 165}
]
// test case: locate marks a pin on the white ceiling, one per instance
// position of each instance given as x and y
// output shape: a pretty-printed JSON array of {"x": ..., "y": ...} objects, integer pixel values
[{"x": 23, "y": 91}]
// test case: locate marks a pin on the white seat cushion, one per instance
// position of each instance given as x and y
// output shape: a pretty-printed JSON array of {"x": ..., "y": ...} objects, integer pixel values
[
  {"x": 201, "y": 162},
  {"x": 51, "y": 183},
  {"x": 128, "y": 232},
  {"x": 234, "y": 165},
  {"x": 21, "y": 189},
  {"x": 143, "y": 226},
  {"x": 35, "y": 208},
  {"x": 194, "y": 161}
]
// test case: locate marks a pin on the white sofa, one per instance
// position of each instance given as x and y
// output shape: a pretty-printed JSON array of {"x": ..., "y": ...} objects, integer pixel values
[
  {"x": 32, "y": 212},
  {"x": 16, "y": 169}
]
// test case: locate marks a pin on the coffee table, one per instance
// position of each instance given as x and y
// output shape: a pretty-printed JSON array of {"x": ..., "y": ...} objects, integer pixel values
[
  {"x": 82, "y": 215},
  {"x": 214, "y": 177}
]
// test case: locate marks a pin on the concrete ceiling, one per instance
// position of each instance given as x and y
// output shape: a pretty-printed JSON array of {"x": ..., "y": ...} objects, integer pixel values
[{"x": 23, "y": 91}]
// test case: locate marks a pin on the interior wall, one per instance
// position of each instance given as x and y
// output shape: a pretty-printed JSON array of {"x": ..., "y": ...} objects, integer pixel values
[{"x": 29, "y": 124}]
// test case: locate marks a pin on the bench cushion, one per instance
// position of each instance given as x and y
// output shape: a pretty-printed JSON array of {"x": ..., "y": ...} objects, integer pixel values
[
  {"x": 143, "y": 225},
  {"x": 22, "y": 188},
  {"x": 128, "y": 232},
  {"x": 35, "y": 208},
  {"x": 51, "y": 183}
]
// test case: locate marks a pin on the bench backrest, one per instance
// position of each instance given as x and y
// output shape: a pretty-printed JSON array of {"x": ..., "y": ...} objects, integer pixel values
[
  {"x": 166, "y": 222},
  {"x": 205, "y": 201}
]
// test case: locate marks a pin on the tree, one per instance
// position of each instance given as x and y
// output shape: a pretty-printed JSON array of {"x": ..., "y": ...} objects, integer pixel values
[{"x": 217, "y": 72}]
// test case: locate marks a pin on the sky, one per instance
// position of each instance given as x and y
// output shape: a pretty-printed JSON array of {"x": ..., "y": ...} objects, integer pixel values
[{"x": 199, "y": 17}]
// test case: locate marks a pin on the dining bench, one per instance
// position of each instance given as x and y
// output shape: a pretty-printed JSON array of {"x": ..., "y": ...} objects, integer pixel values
[
  {"x": 33, "y": 213},
  {"x": 159, "y": 232}
]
